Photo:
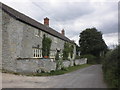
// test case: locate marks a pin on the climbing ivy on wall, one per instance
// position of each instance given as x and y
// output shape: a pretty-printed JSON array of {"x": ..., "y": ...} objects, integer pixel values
[
  {"x": 58, "y": 59},
  {"x": 68, "y": 48},
  {"x": 71, "y": 50},
  {"x": 46, "y": 44},
  {"x": 57, "y": 56}
]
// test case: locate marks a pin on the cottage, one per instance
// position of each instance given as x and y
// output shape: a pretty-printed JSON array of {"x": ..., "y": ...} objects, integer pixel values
[{"x": 22, "y": 37}]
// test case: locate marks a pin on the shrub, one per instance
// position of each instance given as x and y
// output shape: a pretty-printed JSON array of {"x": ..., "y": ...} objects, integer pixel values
[
  {"x": 77, "y": 57},
  {"x": 111, "y": 69},
  {"x": 91, "y": 59},
  {"x": 64, "y": 68},
  {"x": 52, "y": 71},
  {"x": 68, "y": 49}
]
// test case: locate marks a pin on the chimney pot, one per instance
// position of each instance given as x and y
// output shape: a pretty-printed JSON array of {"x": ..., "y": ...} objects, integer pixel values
[
  {"x": 46, "y": 21},
  {"x": 63, "y": 32}
]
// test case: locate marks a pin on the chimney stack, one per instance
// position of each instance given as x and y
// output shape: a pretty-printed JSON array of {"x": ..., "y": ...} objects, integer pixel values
[
  {"x": 63, "y": 32},
  {"x": 46, "y": 21}
]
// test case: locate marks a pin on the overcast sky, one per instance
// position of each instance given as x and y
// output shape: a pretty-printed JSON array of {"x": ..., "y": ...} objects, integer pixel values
[{"x": 73, "y": 16}]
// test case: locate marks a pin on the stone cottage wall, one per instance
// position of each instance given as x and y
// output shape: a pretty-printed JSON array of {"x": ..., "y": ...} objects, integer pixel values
[
  {"x": 56, "y": 44},
  {"x": 18, "y": 40},
  {"x": 12, "y": 32}
]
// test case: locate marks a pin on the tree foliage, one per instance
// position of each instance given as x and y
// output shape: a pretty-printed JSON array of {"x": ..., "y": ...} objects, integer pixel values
[
  {"x": 46, "y": 44},
  {"x": 90, "y": 58},
  {"x": 91, "y": 42},
  {"x": 57, "y": 56}
]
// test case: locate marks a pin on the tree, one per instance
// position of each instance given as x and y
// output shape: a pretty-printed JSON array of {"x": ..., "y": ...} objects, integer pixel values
[{"x": 91, "y": 42}]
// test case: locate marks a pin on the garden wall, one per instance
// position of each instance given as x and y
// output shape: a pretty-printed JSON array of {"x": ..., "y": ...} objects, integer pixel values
[
  {"x": 35, "y": 65},
  {"x": 80, "y": 61},
  {"x": 38, "y": 65},
  {"x": 67, "y": 63}
]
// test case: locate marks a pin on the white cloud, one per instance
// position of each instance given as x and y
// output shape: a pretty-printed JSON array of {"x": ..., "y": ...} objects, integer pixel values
[
  {"x": 76, "y": 39},
  {"x": 73, "y": 15},
  {"x": 111, "y": 39}
]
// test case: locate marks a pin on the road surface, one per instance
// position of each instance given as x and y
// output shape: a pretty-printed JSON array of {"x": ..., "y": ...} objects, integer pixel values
[{"x": 89, "y": 77}]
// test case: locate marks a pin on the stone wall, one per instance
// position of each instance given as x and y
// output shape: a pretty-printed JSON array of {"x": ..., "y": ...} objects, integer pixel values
[
  {"x": 80, "y": 61},
  {"x": 72, "y": 63},
  {"x": 66, "y": 63},
  {"x": 38, "y": 65},
  {"x": 77, "y": 62},
  {"x": 35, "y": 65}
]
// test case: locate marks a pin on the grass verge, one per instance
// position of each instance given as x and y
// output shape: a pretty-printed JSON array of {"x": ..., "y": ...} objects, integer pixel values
[{"x": 62, "y": 71}]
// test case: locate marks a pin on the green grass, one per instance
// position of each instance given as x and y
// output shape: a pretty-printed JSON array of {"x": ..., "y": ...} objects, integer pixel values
[
  {"x": 10, "y": 72},
  {"x": 63, "y": 71}
]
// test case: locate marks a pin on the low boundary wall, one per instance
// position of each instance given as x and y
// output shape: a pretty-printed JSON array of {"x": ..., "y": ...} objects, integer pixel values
[{"x": 46, "y": 65}]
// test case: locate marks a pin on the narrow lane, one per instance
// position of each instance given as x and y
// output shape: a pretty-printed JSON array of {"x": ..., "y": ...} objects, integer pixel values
[{"x": 89, "y": 77}]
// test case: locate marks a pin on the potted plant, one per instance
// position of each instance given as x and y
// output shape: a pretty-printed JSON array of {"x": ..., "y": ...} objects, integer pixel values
[{"x": 45, "y": 56}]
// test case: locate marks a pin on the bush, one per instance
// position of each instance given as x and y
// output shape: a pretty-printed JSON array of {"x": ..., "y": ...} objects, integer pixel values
[
  {"x": 111, "y": 69},
  {"x": 77, "y": 57},
  {"x": 91, "y": 59},
  {"x": 68, "y": 49}
]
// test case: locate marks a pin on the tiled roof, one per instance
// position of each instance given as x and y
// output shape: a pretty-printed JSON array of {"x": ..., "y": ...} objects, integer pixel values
[{"x": 21, "y": 17}]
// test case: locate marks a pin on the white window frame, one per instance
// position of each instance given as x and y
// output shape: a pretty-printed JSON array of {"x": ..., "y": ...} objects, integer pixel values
[{"x": 37, "y": 53}]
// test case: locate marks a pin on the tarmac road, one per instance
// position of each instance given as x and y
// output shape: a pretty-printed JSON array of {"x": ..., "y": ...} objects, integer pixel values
[{"x": 89, "y": 77}]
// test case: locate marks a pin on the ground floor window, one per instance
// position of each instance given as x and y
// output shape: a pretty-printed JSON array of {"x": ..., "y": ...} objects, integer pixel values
[{"x": 37, "y": 53}]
